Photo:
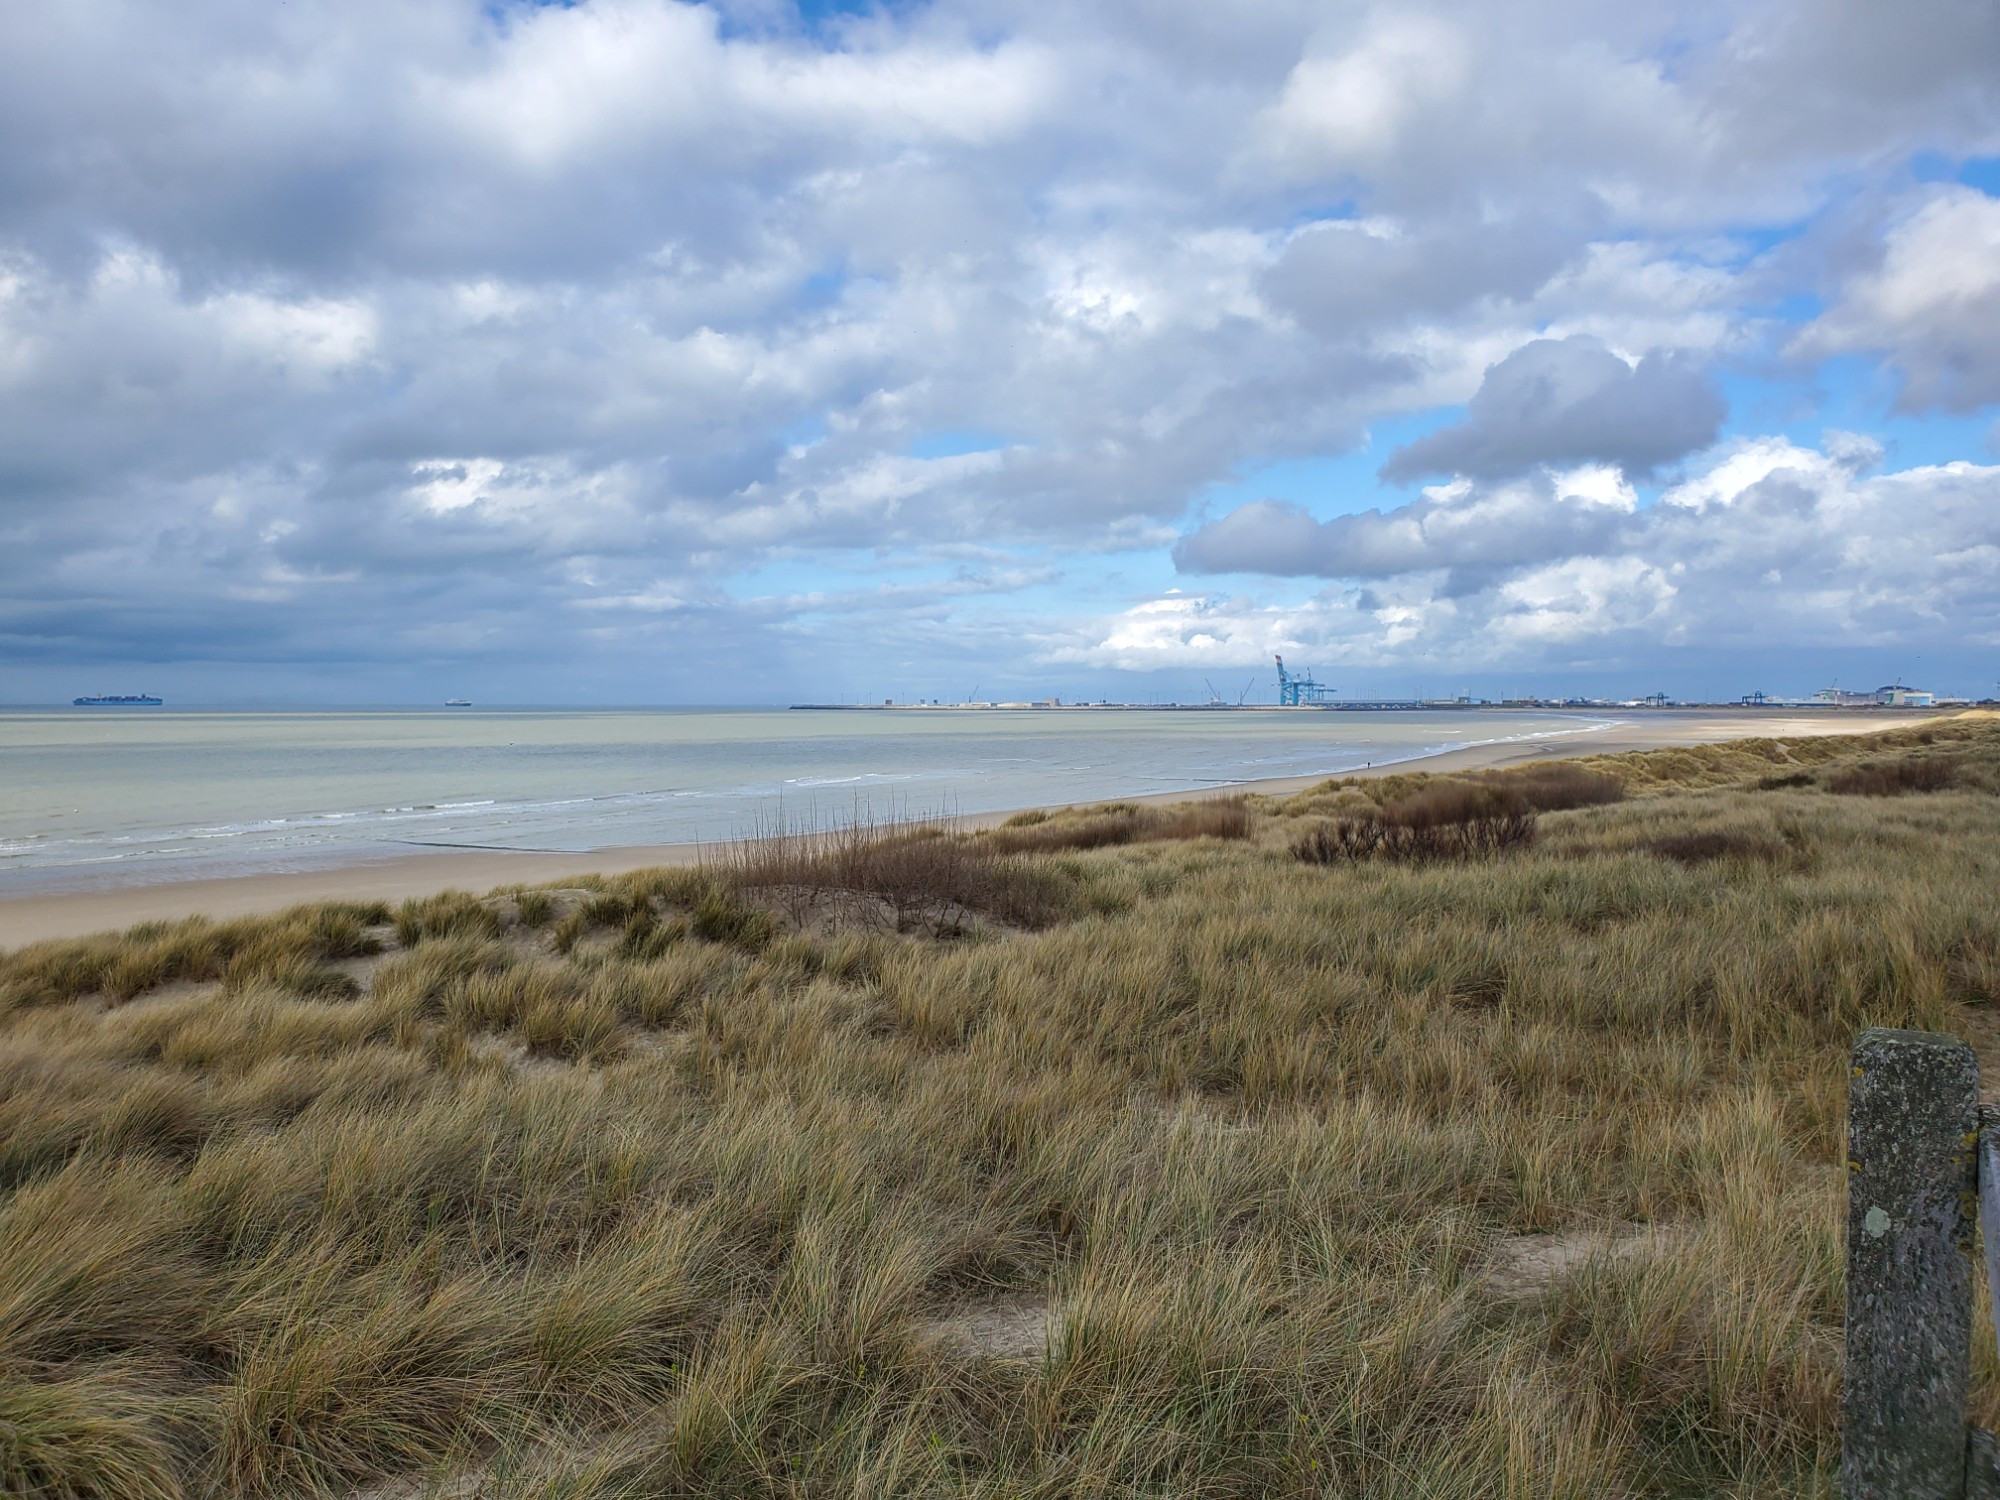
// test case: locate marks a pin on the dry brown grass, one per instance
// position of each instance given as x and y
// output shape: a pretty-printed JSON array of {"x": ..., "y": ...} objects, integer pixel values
[
  {"x": 1713, "y": 844},
  {"x": 1426, "y": 839},
  {"x": 903, "y": 876},
  {"x": 1892, "y": 778},
  {"x": 644, "y": 1189},
  {"x": 1111, "y": 824},
  {"x": 1418, "y": 797}
]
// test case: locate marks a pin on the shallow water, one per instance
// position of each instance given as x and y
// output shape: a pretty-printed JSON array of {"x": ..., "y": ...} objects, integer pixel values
[{"x": 92, "y": 798}]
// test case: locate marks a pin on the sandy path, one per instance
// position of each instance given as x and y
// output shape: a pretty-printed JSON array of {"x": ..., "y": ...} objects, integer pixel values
[{"x": 26, "y": 918}]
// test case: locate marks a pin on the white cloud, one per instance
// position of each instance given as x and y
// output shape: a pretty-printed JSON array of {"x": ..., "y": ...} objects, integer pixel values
[
  {"x": 1567, "y": 401},
  {"x": 1932, "y": 304},
  {"x": 475, "y": 315},
  {"x": 1772, "y": 546},
  {"x": 1344, "y": 110}
]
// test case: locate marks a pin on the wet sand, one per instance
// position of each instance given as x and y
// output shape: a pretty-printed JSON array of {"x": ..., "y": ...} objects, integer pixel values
[{"x": 27, "y": 918}]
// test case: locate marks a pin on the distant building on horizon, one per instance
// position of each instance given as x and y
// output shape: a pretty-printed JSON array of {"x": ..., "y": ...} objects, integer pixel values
[{"x": 1894, "y": 695}]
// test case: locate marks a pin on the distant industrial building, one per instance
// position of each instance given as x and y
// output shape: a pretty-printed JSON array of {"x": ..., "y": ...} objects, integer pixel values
[{"x": 1894, "y": 695}]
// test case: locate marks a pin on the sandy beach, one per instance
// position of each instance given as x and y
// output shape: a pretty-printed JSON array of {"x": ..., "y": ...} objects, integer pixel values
[{"x": 31, "y": 917}]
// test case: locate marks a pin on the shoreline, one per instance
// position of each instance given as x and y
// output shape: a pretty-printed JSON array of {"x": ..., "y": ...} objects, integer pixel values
[{"x": 66, "y": 914}]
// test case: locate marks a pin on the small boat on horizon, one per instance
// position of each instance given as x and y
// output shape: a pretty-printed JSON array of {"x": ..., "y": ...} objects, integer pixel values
[
  {"x": 118, "y": 700},
  {"x": 458, "y": 703}
]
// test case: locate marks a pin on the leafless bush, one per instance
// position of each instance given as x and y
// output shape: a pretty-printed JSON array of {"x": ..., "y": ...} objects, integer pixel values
[
  {"x": 1351, "y": 839},
  {"x": 1557, "y": 787},
  {"x": 1445, "y": 804},
  {"x": 911, "y": 876}
]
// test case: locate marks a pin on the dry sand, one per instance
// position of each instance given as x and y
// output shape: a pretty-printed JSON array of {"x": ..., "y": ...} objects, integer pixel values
[{"x": 27, "y": 918}]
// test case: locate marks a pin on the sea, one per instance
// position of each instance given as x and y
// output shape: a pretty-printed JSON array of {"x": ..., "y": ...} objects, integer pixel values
[{"x": 101, "y": 798}]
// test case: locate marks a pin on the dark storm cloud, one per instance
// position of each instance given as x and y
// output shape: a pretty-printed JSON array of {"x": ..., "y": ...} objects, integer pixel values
[{"x": 1571, "y": 401}]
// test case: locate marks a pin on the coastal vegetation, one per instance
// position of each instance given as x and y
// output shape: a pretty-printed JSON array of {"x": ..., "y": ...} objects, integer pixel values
[{"x": 1213, "y": 1150}]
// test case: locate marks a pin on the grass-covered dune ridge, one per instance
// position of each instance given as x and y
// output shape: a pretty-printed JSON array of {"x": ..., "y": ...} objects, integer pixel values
[{"x": 1154, "y": 1161}]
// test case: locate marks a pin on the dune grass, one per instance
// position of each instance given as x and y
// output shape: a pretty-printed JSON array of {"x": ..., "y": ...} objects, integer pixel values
[{"x": 1507, "y": 1175}]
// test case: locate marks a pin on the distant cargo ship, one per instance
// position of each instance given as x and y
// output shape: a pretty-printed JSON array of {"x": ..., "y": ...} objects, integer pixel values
[
  {"x": 119, "y": 700},
  {"x": 458, "y": 703}
]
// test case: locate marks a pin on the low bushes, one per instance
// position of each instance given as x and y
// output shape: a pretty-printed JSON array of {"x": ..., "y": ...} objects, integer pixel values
[
  {"x": 1454, "y": 818},
  {"x": 907, "y": 877},
  {"x": 1559, "y": 786},
  {"x": 1892, "y": 778},
  {"x": 1377, "y": 838},
  {"x": 1451, "y": 804},
  {"x": 1121, "y": 823}
]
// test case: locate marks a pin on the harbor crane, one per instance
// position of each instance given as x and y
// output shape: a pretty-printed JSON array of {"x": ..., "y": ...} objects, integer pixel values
[{"x": 1298, "y": 690}]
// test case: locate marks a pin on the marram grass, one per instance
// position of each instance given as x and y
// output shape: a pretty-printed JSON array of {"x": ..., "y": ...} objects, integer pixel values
[{"x": 1140, "y": 1159}]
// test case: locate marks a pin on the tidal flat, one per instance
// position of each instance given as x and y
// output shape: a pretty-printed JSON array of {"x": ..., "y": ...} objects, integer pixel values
[{"x": 1431, "y": 1135}]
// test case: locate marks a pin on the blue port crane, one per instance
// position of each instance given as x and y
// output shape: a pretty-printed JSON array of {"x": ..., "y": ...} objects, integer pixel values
[{"x": 1298, "y": 690}]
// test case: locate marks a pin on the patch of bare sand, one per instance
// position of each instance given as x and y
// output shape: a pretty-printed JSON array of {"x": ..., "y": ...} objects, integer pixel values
[
  {"x": 361, "y": 968},
  {"x": 1016, "y": 1327},
  {"x": 1524, "y": 1266}
]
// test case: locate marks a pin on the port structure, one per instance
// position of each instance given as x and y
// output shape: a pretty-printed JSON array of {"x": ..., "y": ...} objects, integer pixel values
[{"x": 1298, "y": 690}]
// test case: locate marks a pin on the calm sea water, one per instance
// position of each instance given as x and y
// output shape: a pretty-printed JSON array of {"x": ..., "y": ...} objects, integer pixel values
[{"x": 92, "y": 798}]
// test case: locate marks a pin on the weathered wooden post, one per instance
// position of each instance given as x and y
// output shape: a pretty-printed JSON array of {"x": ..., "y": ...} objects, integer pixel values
[
  {"x": 1982, "y": 1457},
  {"x": 1912, "y": 1122}
]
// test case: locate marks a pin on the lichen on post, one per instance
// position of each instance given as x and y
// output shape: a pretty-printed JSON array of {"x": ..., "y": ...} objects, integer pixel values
[{"x": 1912, "y": 1126}]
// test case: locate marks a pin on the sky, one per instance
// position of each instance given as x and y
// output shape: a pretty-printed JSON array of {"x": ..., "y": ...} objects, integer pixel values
[{"x": 642, "y": 352}]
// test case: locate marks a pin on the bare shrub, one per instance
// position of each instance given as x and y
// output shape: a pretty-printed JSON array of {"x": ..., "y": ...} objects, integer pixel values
[
  {"x": 914, "y": 876},
  {"x": 1339, "y": 842},
  {"x": 1444, "y": 804},
  {"x": 1351, "y": 839},
  {"x": 1206, "y": 818},
  {"x": 1559, "y": 786},
  {"x": 1892, "y": 778}
]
